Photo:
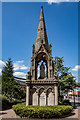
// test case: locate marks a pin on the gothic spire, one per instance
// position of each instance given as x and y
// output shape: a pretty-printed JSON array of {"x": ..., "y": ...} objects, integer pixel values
[{"x": 41, "y": 34}]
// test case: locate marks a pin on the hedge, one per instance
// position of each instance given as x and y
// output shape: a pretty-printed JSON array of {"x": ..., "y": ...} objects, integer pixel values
[{"x": 41, "y": 111}]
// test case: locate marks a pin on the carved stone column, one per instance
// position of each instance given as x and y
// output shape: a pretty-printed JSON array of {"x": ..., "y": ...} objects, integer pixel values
[
  {"x": 56, "y": 94},
  {"x": 33, "y": 68},
  {"x": 38, "y": 97},
  {"x": 45, "y": 91},
  {"x": 48, "y": 69},
  {"x": 27, "y": 95}
]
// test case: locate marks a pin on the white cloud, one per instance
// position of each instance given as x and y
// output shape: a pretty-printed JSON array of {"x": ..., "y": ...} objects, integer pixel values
[
  {"x": 58, "y": 1},
  {"x": 38, "y": 68},
  {"x": 38, "y": 75},
  {"x": 18, "y": 65},
  {"x": 2, "y": 63},
  {"x": 0, "y": 71},
  {"x": 24, "y": 78},
  {"x": 20, "y": 74},
  {"x": 20, "y": 61},
  {"x": 76, "y": 68},
  {"x": 23, "y": 67}
]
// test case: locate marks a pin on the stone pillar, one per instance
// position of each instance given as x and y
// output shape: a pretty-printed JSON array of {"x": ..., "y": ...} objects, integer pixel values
[
  {"x": 56, "y": 94},
  {"x": 33, "y": 68},
  {"x": 48, "y": 69},
  {"x": 27, "y": 95},
  {"x": 38, "y": 98},
  {"x": 46, "y": 98}
]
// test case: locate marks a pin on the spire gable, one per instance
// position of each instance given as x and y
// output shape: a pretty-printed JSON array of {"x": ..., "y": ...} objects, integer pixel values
[{"x": 41, "y": 34}]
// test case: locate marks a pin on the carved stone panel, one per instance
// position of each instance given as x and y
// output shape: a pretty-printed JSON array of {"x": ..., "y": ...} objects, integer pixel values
[
  {"x": 51, "y": 99},
  {"x": 35, "y": 98},
  {"x": 42, "y": 98}
]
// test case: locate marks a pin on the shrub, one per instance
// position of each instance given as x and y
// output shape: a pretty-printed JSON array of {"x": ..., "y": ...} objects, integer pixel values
[
  {"x": 5, "y": 102},
  {"x": 41, "y": 111},
  {"x": 66, "y": 102},
  {"x": 61, "y": 98},
  {"x": 63, "y": 101}
]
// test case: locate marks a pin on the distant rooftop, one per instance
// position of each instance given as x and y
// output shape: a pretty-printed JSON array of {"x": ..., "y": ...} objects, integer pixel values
[{"x": 21, "y": 81}]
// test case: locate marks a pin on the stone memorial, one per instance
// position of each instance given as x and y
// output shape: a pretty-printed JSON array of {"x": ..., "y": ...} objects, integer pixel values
[
  {"x": 42, "y": 91},
  {"x": 42, "y": 71}
]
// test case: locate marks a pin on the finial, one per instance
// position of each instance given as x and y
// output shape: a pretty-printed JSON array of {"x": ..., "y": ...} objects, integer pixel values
[
  {"x": 50, "y": 45},
  {"x": 41, "y": 5}
]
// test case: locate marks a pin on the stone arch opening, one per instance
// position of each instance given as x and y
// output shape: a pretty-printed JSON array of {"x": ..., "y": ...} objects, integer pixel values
[
  {"x": 50, "y": 97},
  {"x": 34, "y": 97},
  {"x": 41, "y": 66},
  {"x": 41, "y": 70},
  {"x": 42, "y": 97}
]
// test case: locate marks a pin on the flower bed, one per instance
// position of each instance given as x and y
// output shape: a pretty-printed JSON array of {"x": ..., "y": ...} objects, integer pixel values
[{"x": 41, "y": 111}]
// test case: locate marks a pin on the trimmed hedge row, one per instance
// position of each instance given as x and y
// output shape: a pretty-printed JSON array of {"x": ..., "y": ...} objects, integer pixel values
[{"x": 41, "y": 111}]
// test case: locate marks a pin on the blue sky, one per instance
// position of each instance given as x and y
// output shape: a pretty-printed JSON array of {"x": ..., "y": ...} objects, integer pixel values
[{"x": 19, "y": 32}]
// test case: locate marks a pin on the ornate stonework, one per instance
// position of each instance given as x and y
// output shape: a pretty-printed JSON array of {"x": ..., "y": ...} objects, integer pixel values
[{"x": 41, "y": 82}]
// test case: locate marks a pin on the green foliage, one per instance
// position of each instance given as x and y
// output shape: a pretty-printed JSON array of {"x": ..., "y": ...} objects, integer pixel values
[
  {"x": 7, "y": 72},
  {"x": 62, "y": 101},
  {"x": 78, "y": 84},
  {"x": 5, "y": 103},
  {"x": 10, "y": 87},
  {"x": 41, "y": 111},
  {"x": 66, "y": 102},
  {"x": 66, "y": 80}
]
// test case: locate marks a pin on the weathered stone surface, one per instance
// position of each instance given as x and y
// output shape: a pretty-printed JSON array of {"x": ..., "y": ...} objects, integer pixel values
[
  {"x": 42, "y": 98},
  {"x": 42, "y": 71},
  {"x": 41, "y": 34},
  {"x": 35, "y": 98},
  {"x": 51, "y": 99},
  {"x": 43, "y": 90}
]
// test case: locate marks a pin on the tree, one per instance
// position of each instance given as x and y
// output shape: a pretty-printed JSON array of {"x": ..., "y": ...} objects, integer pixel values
[
  {"x": 66, "y": 80},
  {"x": 10, "y": 87},
  {"x": 7, "y": 72}
]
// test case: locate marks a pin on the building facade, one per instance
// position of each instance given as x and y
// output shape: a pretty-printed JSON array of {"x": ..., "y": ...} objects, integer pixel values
[{"x": 41, "y": 81}]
